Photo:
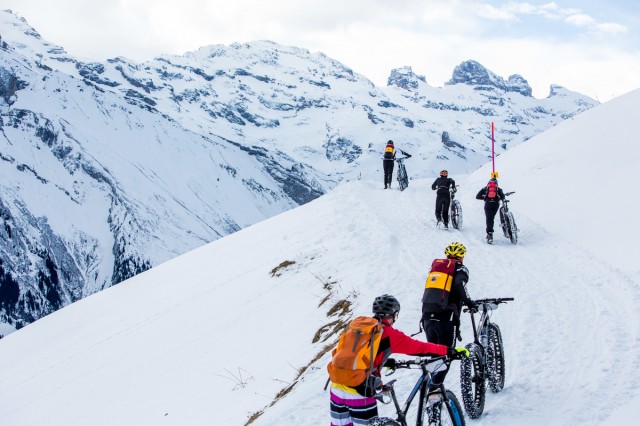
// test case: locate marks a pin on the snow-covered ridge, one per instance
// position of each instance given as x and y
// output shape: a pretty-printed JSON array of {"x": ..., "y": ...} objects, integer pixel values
[
  {"x": 112, "y": 168},
  {"x": 214, "y": 335}
]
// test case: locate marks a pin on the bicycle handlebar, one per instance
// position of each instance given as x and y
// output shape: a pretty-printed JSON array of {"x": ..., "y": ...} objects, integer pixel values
[
  {"x": 506, "y": 194},
  {"x": 495, "y": 300},
  {"x": 490, "y": 301},
  {"x": 424, "y": 360}
]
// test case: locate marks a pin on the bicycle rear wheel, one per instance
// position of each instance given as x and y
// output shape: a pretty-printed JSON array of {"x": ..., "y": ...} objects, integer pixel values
[
  {"x": 456, "y": 214},
  {"x": 495, "y": 358},
  {"x": 472, "y": 382}
]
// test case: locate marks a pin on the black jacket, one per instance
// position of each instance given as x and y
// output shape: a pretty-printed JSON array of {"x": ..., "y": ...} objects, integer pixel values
[
  {"x": 482, "y": 195},
  {"x": 457, "y": 297},
  {"x": 442, "y": 184}
]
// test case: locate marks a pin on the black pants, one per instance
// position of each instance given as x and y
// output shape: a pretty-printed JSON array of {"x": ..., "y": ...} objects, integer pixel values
[
  {"x": 443, "y": 332},
  {"x": 442, "y": 208},
  {"x": 387, "y": 165},
  {"x": 490, "y": 210}
]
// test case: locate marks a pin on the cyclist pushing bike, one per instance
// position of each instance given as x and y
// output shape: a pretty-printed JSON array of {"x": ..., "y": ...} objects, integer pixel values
[
  {"x": 491, "y": 194},
  {"x": 442, "y": 185},
  {"x": 444, "y": 294},
  {"x": 356, "y": 403}
]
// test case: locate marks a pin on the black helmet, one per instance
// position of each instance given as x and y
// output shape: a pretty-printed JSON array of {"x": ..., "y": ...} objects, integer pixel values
[
  {"x": 385, "y": 305},
  {"x": 390, "y": 142}
]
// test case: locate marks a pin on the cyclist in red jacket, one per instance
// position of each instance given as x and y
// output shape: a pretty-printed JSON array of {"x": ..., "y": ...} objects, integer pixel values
[{"x": 357, "y": 405}]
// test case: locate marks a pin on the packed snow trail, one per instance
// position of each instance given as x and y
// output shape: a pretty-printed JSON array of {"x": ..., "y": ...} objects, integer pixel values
[{"x": 570, "y": 335}]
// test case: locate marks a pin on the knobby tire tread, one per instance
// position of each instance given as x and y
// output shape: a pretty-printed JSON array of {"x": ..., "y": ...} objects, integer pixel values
[
  {"x": 473, "y": 382},
  {"x": 495, "y": 359}
]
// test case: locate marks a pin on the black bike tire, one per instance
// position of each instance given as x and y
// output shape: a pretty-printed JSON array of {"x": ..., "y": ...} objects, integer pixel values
[
  {"x": 454, "y": 409},
  {"x": 503, "y": 222},
  {"x": 383, "y": 421},
  {"x": 456, "y": 214},
  {"x": 473, "y": 386},
  {"x": 513, "y": 230},
  {"x": 403, "y": 181},
  {"x": 495, "y": 358}
]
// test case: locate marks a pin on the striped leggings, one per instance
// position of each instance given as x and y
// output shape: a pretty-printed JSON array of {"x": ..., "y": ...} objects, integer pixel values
[{"x": 348, "y": 409}]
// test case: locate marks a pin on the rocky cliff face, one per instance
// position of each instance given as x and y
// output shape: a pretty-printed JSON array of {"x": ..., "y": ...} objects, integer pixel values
[{"x": 111, "y": 168}]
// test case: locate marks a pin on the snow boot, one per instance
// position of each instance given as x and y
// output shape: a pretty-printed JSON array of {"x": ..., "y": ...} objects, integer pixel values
[{"x": 489, "y": 237}]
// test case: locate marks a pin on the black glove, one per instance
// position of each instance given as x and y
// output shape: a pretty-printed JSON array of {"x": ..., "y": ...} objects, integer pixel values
[
  {"x": 473, "y": 306},
  {"x": 390, "y": 363},
  {"x": 457, "y": 353}
]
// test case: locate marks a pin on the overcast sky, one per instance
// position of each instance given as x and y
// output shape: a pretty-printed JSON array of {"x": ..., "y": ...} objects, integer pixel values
[{"x": 589, "y": 46}]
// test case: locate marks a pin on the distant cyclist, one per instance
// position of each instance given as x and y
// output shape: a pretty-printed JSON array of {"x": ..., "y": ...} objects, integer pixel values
[
  {"x": 388, "y": 159},
  {"x": 443, "y": 197},
  {"x": 491, "y": 194}
]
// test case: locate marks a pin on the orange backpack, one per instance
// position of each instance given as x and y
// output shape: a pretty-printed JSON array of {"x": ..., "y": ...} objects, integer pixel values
[{"x": 353, "y": 358}]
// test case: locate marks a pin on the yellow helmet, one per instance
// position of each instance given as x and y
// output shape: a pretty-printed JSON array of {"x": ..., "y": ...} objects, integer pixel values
[
  {"x": 494, "y": 175},
  {"x": 455, "y": 250}
]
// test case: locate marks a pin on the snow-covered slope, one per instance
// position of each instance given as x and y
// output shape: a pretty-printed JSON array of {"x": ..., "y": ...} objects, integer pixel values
[
  {"x": 214, "y": 335},
  {"x": 112, "y": 168}
]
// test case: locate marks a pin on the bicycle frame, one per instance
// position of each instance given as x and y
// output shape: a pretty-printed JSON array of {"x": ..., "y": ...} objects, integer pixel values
[
  {"x": 484, "y": 321},
  {"x": 421, "y": 388}
]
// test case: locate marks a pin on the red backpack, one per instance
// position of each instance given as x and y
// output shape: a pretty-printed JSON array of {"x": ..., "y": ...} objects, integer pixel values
[{"x": 492, "y": 189}]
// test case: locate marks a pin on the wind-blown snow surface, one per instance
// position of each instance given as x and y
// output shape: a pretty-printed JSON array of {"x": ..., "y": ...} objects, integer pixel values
[{"x": 212, "y": 336}]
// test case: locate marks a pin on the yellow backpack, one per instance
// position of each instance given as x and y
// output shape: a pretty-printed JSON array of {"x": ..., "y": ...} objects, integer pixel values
[
  {"x": 353, "y": 358},
  {"x": 438, "y": 284}
]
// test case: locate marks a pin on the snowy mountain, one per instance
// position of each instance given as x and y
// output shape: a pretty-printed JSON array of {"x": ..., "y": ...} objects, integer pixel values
[
  {"x": 215, "y": 335},
  {"x": 111, "y": 168}
]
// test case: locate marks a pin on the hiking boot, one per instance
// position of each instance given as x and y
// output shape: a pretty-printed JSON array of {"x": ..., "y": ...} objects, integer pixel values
[
  {"x": 446, "y": 226},
  {"x": 490, "y": 237},
  {"x": 385, "y": 187}
]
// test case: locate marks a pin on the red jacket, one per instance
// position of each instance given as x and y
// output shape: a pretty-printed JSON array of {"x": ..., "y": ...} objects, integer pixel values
[{"x": 396, "y": 342}]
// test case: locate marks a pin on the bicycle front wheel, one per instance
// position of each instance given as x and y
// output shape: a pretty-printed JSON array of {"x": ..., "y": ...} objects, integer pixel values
[
  {"x": 453, "y": 414},
  {"x": 383, "y": 421},
  {"x": 511, "y": 228},
  {"x": 495, "y": 358},
  {"x": 456, "y": 214},
  {"x": 472, "y": 381},
  {"x": 503, "y": 222},
  {"x": 403, "y": 180}
]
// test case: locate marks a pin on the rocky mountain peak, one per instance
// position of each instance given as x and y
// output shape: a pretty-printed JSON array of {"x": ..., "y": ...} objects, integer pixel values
[
  {"x": 405, "y": 78},
  {"x": 474, "y": 74}
]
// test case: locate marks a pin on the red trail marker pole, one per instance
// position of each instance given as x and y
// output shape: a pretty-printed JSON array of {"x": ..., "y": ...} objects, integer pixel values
[{"x": 493, "y": 156}]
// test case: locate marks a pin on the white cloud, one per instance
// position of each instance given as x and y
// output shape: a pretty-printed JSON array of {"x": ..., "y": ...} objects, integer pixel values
[
  {"x": 611, "y": 28},
  {"x": 581, "y": 20},
  {"x": 369, "y": 36}
]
